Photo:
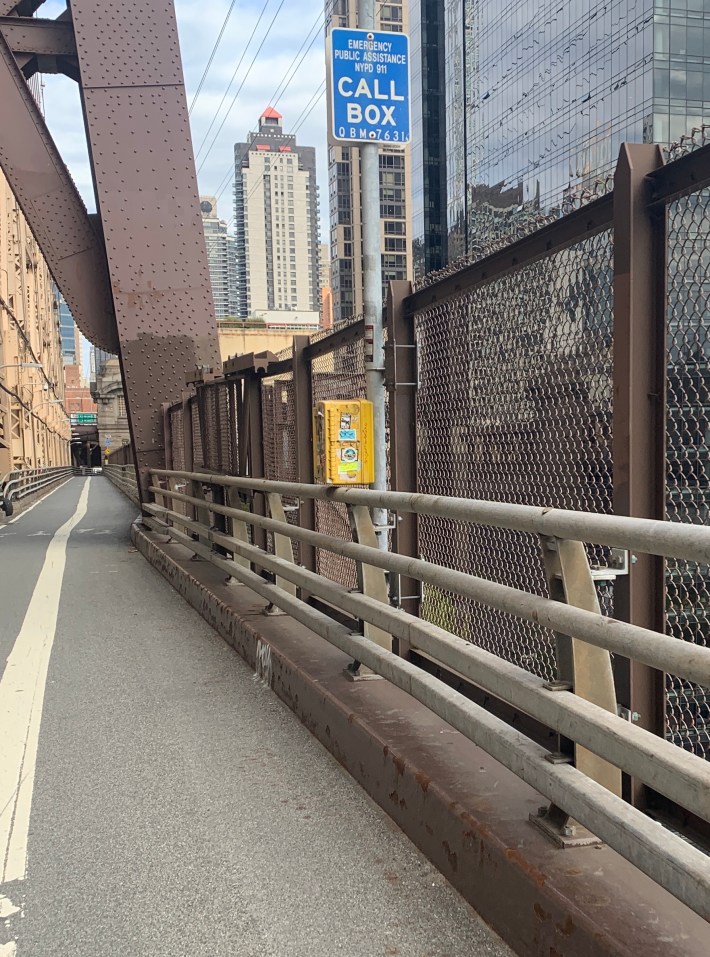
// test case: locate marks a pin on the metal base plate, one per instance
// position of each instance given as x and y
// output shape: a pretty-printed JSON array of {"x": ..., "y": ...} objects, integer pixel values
[
  {"x": 273, "y": 612},
  {"x": 581, "y": 837},
  {"x": 364, "y": 674}
]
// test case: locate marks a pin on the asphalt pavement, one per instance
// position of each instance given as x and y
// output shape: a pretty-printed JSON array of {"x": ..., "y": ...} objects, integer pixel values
[{"x": 176, "y": 807}]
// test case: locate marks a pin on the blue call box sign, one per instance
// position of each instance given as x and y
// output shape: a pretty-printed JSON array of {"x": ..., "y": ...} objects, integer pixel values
[{"x": 369, "y": 83}]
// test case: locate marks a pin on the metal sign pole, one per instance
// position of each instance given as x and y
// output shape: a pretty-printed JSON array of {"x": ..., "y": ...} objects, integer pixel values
[
  {"x": 368, "y": 74},
  {"x": 372, "y": 296}
]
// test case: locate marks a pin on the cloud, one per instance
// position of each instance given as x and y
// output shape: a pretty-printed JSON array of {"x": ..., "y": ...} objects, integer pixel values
[{"x": 199, "y": 24}]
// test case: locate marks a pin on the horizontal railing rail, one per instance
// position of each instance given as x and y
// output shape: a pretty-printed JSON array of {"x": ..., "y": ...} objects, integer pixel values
[
  {"x": 587, "y": 792},
  {"x": 21, "y": 483},
  {"x": 124, "y": 478}
]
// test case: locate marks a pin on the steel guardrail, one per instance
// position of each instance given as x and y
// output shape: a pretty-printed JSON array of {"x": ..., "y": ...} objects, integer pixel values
[
  {"x": 685, "y": 778},
  {"x": 124, "y": 478},
  {"x": 22, "y": 483}
]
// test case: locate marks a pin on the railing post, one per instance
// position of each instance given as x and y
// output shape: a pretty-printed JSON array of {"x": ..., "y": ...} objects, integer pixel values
[
  {"x": 401, "y": 381},
  {"x": 582, "y": 669},
  {"x": 639, "y": 426},
  {"x": 372, "y": 580},
  {"x": 283, "y": 546},
  {"x": 235, "y": 528},
  {"x": 303, "y": 398}
]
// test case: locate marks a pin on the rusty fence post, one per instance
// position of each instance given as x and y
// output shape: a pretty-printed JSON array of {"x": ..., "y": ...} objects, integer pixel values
[
  {"x": 188, "y": 453},
  {"x": 639, "y": 427},
  {"x": 401, "y": 378},
  {"x": 242, "y": 428},
  {"x": 167, "y": 435},
  {"x": 303, "y": 398},
  {"x": 255, "y": 427}
]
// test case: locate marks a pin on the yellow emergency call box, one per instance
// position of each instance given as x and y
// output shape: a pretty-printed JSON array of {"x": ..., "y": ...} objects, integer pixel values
[{"x": 343, "y": 447}]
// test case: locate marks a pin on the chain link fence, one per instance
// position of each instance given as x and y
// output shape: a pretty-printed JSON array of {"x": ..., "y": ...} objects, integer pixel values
[
  {"x": 515, "y": 404},
  {"x": 278, "y": 411},
  {"x": 197, "y": 450},
  {"x": 217, "y": 405},
  {"x": 339, "y": 374},
  {"x": 177, "y": 436},
  {"x": 688, "y": 451}
]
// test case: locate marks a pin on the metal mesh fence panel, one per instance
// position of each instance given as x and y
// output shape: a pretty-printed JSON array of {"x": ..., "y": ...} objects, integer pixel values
[
  {"x": 218, "y": 426},
  {"x": 177, "y": 437},
  {"x": 515, "y": 404},
  {"x": 197, "y": 453},
  {"x": 339, "y": 374},
  {"x": 688, "y": 453}
]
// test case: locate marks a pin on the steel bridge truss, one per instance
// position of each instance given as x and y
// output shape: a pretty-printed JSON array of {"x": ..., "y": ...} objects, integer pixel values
[{"x": 134, "y": 274}]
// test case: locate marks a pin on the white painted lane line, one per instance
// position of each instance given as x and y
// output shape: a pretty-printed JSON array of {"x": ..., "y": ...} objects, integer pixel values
[
  {"x": 22, "y": 699},
  {"x": 35, "y": 504}
]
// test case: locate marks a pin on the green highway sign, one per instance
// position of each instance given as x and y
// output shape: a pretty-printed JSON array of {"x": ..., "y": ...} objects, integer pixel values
[{"x": 84, "y": 418}]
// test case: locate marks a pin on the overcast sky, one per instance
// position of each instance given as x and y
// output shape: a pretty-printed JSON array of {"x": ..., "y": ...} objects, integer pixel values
[{"x": 199, "y": 23}]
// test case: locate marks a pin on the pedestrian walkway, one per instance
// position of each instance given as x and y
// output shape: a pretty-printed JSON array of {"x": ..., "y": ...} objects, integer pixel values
[{"x": 156, "y": 800}]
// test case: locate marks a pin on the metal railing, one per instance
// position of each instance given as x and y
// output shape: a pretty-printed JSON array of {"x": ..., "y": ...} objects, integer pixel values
[
  {"x": 124, "y": 478},
  {"x": 25, "y": 482},
  {"x": 583, "y": 780}
]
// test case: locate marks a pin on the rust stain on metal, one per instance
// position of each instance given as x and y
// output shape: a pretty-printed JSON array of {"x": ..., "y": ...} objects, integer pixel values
[
  {"x": 541, "y": 913},
  {"x": 513, "y": 854},
  {"x": 423, "y": 780},
  {"x": 567, "y": 927},
  {"x": 451, "y": 855},
  {"x": 400, "y": 764}
]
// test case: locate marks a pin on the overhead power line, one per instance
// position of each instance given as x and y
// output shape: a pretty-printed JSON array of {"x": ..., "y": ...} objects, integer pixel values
[
  {"x": 234, "y": 75},
  {"x": 296, "y": 63},
  {"x": 309, "y": 107},
  {"x": 229, "y": 175},
  {"x": 241, "y": 86},
  {"x": 212, "y": 56}
]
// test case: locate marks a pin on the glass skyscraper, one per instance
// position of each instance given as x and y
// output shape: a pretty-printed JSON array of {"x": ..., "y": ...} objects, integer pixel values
[
  {"x": 538, "y": 98},
  {"x": 68, "y": 333}
]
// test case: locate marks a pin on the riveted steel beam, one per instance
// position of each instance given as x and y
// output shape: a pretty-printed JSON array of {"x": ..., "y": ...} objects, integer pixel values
[
  {"x": 23, "y": 8},
  {"x": 46, "y": 37},
  {"x": 53, "y": 208},
  {"x": 41, "y": 46},
  {"x": 144, "y": 174}
]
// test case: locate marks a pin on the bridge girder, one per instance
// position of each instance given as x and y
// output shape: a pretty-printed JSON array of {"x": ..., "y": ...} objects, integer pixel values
[{"x": 136, "y": 275}]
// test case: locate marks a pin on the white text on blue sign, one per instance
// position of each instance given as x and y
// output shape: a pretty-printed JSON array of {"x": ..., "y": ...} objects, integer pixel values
[{"x": 370, "y": 86}]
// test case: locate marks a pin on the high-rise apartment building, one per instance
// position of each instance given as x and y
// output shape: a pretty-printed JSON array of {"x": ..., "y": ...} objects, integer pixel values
[
  {"x": 221, "y": 259},
  {"x": 276, "y": 222},
  {"x": 523, "y": 105},
  {"x": 71, "y": 343},
  {"x": 345, "y": 190},
  {"x": 326, "y": 291}
]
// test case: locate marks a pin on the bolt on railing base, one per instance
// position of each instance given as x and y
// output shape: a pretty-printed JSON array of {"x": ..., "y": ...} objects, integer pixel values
[
  {"x": 273, "y": 612},
  {"x": 362, "y": 674},
  {"x": 559, "y": 828}
]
